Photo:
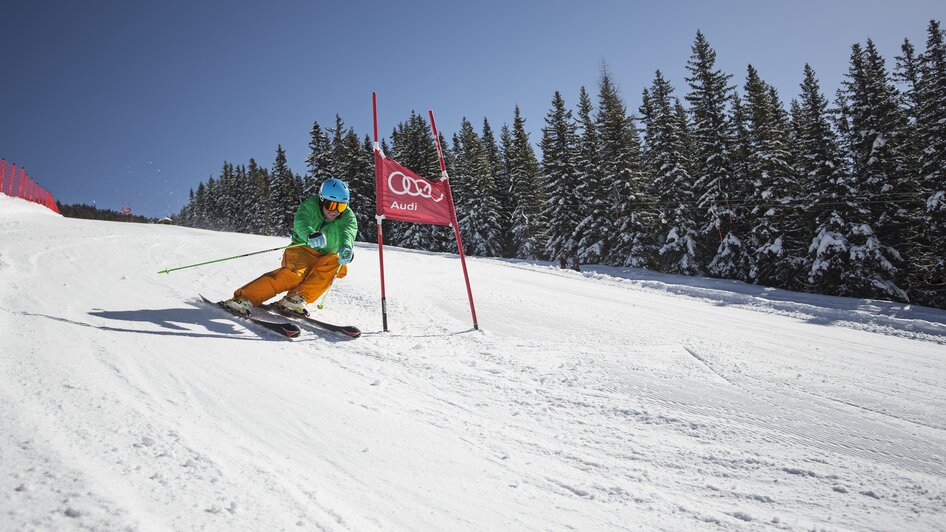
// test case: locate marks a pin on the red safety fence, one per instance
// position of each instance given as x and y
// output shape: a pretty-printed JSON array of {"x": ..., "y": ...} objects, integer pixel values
[{"x": 15, "y": 182}]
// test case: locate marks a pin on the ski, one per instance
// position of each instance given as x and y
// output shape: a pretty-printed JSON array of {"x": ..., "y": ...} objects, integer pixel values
[
  {"x": 348, "y": 330},
  {"x": 289, "y": 330}
]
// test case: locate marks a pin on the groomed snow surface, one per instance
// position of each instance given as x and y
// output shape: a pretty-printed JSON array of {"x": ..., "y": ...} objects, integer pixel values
[{"x": 609, "y": 399}]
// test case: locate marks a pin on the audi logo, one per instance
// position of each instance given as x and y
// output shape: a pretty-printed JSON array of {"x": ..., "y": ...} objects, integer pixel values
[{"x": 407, "y": 185}]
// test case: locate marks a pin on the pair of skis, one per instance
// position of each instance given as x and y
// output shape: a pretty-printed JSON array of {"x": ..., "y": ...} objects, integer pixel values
[{"x": 288, "y": 328}]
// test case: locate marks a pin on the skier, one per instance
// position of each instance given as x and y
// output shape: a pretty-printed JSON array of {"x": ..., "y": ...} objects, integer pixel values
[{"x": 328, "y": 228}]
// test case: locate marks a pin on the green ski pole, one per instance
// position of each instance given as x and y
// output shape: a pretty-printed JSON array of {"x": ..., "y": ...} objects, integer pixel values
[
  {"x": 321, "y": 304},
  {"x": 169, "y": 270}
]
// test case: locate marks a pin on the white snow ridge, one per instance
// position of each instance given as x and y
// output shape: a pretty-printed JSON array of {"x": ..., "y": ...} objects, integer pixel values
[{"x": 609, "y": 399}]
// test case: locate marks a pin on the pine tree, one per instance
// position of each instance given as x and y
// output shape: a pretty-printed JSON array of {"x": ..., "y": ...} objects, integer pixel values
[
  {"x": 907, "y": 73},
  {"x": 899, "y": 218},
  {"x": 776, "y": 235},
  {"x": 740, "y": 198},
  {"x": 831, "y": 210},
  {"x": 228, "y": 208},
  {"x": 319, "y": 160},
  {"x": 363, "y": 192},
  {"x": 334, "y": 160},
  {"x": 355, "y": 166},
  {"x": 186, "y": 216},
  {"x": 477, "y": 208},
  {"x": 875, "y": 125},
  {"x": 712, "y": 137},
  {"x": 504, "y": 187},
  {"x": 594, "y": 228},
  {"x": 500, "y": 191},
  {"x": 528, "y": 224},
  {"x": 931, "y": 138},
  {"x": 715, "y": 185},
  {"x": 459, "y": 177},
  {"x": 633, "y": 243},
  {"x": 442, "y": 236},
  {"x": 671, "y": 190},
  {"x": 242, "y": 219},
  {"x": 560, "y": 177},
  {"x": 258, "y": 199},
  {"x": 200, "y": 205},
  {"x": 283, "y": 196}
]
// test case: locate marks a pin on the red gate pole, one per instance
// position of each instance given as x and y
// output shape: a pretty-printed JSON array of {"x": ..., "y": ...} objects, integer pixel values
[
  {"x": 3, "y": 172},
  {"x": 453, "y": 214},
  {"x": 377, "y": 213}
]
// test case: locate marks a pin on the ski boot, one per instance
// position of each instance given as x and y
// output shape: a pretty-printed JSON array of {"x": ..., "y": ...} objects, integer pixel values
[
  {"x": 239, "y": 304},
  {"x": 294, "y": 304}
]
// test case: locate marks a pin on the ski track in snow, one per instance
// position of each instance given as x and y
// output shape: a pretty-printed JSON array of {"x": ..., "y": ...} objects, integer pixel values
[{"x": 606, "y": 399}]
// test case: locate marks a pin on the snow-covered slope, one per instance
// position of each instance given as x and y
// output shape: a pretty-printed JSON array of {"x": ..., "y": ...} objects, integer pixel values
[{"x": 606, "y": 399}]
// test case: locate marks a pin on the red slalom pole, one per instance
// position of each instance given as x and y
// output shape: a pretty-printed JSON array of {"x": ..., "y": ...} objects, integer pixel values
[
  {"x": 453, "y": 214},
  {"x": 377, "y": 213}
]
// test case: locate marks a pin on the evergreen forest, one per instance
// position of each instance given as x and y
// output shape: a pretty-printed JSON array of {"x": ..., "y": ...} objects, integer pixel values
[
  {"x": 91, "y": 212},
  {"x": 842, "y": 195}
]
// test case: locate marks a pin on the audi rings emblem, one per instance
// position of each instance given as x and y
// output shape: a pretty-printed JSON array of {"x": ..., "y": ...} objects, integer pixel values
[{"x": 409, "y": 186}]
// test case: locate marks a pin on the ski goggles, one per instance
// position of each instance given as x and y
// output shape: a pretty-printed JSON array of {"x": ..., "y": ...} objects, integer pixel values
[{"x": 335, "y": 206}]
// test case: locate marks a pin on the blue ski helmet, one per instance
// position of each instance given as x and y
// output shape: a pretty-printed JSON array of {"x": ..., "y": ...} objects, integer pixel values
[{"x": 334, "y": 189}]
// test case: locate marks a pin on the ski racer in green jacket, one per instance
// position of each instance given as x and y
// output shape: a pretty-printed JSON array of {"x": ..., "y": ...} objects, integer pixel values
[{"x": 325, "y": 227}]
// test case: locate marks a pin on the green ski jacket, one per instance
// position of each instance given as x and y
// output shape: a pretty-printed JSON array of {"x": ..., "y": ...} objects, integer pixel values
[{"x": 338, "y": 233}]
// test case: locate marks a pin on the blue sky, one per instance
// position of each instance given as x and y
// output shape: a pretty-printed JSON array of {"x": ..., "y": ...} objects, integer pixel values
[{"x": 134, "y": 103}]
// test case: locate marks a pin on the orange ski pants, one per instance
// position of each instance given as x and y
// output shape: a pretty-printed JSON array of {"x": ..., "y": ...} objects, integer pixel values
[{"x": 304, "y": 271}]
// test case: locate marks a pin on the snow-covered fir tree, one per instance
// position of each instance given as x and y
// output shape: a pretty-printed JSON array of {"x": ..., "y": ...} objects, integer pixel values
[
  {"x": 477, "y": 211},
  {"x": 560, "y": 176},
  {"x": 907, "y": 75},
  {"x": 186, "y": 217},
  {"x": 500, "y": 177},
  {"x": 714, "y": 183},
  {"x": 666, "y": 160},
  {"x": 830, "y": 210},
  {"x": 355, "y": 166},
  {"x": 258, "y": 198},
  {"x": 442, "y": 236},
  {"x": 363, "y": 193},
  {"x": 337, "y": 148},
  {"x": 527, "y": 196},
  {"x": 319, "y": 161},
  {"x": 284, "y": 193},
  {"x": 201, "y": 205},
  {"x": 595, "y": 226},
  {"x": 209, "y": 210},
  {"x": 504, "y": 190},
  {"x": 240, "y": 219},
  {"x": 931, "y": 138},
  {"x": 459, "y": 175},
  {"x": 632, "y": 242},
  {"x": 228, "y": 202},
  {"x": 740, "y": 200},
  {"x": 777, "y": 234},
  {"x": 874, "y": 126}
]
